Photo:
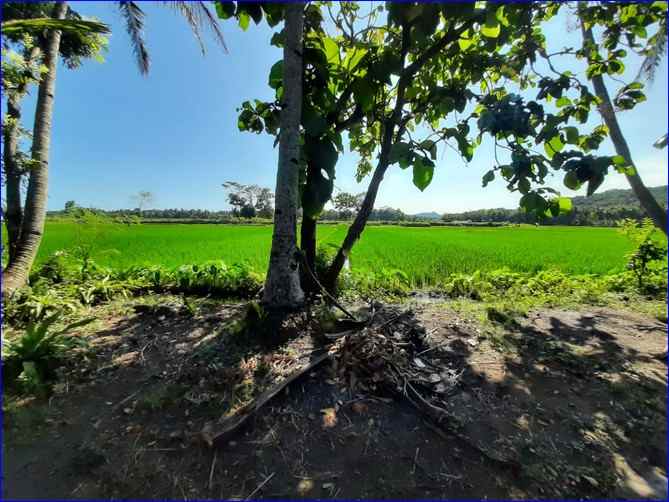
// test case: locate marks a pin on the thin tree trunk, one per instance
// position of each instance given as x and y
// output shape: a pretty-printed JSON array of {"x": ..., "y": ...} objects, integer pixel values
[
  {"x": 308, "y": 246},
  {"x": 14, "y": 213},
  {"x": 358, "y": 225},
  {"x": 653, "y": 209},
  {"x": 282, "y": 286},
  {"x": 355, "y": 230},
  {"x": 16, "y": 273}
]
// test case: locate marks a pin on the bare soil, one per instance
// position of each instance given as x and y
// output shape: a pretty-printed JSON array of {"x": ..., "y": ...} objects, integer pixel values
[{"x": 560, "y": 404}]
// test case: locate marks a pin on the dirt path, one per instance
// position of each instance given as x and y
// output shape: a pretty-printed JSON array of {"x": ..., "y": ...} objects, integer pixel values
[{"x": 578, "y": 399}]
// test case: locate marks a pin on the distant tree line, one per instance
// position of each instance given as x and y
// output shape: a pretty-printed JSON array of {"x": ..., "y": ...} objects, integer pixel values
[
  {"x": 252, "y": 201},
  {"x": 579, "y": 216}
]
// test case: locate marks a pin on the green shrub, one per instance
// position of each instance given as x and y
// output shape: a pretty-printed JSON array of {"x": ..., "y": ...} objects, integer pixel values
[
  {"x": 648, "y": 261},
  {"x": 31, "y": 358},
  {"x": 32, "y": 304}
]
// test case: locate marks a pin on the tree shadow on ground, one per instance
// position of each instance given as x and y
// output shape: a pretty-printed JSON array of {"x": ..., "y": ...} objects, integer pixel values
[
  {"x": 569, "y": 397},
  {"x": 579, "y": 405}
]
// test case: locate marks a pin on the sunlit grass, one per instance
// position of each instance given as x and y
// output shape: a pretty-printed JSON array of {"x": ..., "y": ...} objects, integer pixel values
[{"x": 426, "y": 255}]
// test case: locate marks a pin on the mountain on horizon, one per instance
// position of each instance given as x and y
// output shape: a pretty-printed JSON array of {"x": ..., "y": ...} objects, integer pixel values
[
  {"x": 618, "y": 197},
  {"x": 431, "y": 215}
]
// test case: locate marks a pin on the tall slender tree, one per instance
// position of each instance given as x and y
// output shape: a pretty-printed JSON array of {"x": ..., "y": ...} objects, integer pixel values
[
  {"x": 10, "y": 153},
  {"x": 81, "y": 39},
  {"x": 606, "y": 109},
  {"x": 282, "y": 286},
  {"x": 32, "y": 225},
  {"x": 197, "y": 15}
]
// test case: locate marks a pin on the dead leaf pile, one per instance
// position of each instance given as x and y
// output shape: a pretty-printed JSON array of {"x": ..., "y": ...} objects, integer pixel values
[{"x": 393, "y": 356}]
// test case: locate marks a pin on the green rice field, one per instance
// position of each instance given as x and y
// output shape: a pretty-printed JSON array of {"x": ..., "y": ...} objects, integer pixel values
[{"x": 425, "y": 254}]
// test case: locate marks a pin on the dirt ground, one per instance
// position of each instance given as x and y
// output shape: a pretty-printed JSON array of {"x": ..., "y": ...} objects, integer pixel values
[{"x": 558, "y": 404}]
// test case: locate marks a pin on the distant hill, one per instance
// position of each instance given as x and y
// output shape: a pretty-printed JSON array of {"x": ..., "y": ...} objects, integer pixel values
[
  {"x": 427, "y": 216},
  {"x": 601, "y": 209},
  {"x": 618, "y": 198}
]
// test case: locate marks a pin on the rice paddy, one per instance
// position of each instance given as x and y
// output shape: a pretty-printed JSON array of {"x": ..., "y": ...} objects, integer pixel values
[{"x": 425, "y": 254}]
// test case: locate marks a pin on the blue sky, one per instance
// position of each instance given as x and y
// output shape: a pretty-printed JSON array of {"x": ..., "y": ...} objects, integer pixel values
[{"x": 175, "y": 134}]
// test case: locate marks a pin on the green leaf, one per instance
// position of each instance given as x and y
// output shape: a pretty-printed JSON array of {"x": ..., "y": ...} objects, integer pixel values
[
  {"x": 501, "y": 16},
  {"x": 616, "y": 67},
  {"x": 533, "y": 202},
  {"x": 398, "y": 152},
  {"x": 563, "y": 101},
  {"x": 553, "y": 146},
  {"x": 621, "y": 166},
  {"x": 571, "y": 180},
  {"x": 423, "y": 171},
  {"x": 491, "y": 28},
  {"x": 353, "y": 57},
  {"x": 225, "y": 10},
  {"x": 278, "y": 39},
  {"x": 594, "y": 183},
  {"x": 571, "y": 133},
  {"x": 74, "y": 325},
  {"x": 565, "y": 205},
  {"x": 488, "y": 177},
  {"x": 244, "y": 20},
  {"x": 364, "y": 94},
  {"x": 430, "y": 146},
  {"x": 276, "y": 75},
  {"x": 465, "y": 40},
  {"x": 640, "y": 31},
  {"x": 331, "y": 51},
  {"x": 255, "y": 11},
  {"x": 618, "y": 160}
]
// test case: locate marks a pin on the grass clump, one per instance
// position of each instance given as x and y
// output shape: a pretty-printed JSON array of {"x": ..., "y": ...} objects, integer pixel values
[{"x": 31, "y": 358}]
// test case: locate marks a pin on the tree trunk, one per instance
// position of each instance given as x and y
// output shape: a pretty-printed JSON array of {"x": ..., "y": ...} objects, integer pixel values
[
  {"x": 308, "y": 246},
  {"x": 606, "y": 110},
  {"x": 14, "y": 213},
  {"x": 16, "y": 273},
  {"x": 282, "y": 286},
  {"x": 358, "y": 225},
  {"x": 355, "y": 230}
]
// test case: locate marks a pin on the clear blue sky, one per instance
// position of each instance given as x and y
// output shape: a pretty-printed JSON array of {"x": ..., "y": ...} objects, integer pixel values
[{"x": 175, "y": 134}]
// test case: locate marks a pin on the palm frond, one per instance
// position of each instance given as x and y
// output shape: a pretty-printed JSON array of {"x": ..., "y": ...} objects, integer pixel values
[
  {"x": 134, "y": 23},
  {"x": 199, "y": 17},
  {"x": 654, "y": 54},
  {"x": 77, "y": 26}
]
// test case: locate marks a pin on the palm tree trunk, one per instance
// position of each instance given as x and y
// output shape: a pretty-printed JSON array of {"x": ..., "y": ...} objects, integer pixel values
[
  {"x": 16, "y": 273},
  {"x": 14, "y": 213},
  {"x": 606, "y": 110},
  {"x": 282, "y": 286}
]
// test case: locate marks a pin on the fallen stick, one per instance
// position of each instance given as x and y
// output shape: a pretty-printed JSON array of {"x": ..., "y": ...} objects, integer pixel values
[
  {"x": 341, "y": 334},
  {"x": 325, "y": 291},
  {"x": 211, "y": 471},
  {"x": 260, "y": 486},
  {"x": 234, "y": 422}
]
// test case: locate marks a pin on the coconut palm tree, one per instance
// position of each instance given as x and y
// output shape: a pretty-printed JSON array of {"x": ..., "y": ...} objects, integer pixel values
[
  {"x": 24, "y": 26},
  {"x": 16, "y": 272}
]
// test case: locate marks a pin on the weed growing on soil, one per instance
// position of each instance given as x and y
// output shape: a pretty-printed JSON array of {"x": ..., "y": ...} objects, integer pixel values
[{"x": 31, "y": 358}]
